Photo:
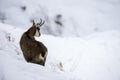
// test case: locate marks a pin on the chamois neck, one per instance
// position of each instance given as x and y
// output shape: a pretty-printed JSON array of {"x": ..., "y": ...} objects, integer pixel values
[
  {"x": 30, "y": 36},
  {"x": 31, "y": 32}
]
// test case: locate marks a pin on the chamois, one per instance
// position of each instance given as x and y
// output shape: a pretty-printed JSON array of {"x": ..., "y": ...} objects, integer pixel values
[{"x": 33, "y": 50}]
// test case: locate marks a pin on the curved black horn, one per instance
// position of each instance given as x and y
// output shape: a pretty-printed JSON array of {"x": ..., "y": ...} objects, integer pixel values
[{"x": 41, "y": 22}]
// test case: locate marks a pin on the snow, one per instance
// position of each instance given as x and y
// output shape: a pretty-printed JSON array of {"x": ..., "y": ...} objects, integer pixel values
[
  {"x": 93, "y": 57},
  {"x": 82, "y": 37},
  {"x": 79, "y": 17},
  {"x": 14, "y": 67}
]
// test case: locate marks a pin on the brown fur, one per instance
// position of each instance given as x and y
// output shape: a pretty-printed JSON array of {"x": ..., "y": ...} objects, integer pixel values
[{"x": 32, "y": 49}]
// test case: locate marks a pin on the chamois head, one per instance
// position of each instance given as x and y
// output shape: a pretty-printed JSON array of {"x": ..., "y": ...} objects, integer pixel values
[{"x": 35, "y": 29}]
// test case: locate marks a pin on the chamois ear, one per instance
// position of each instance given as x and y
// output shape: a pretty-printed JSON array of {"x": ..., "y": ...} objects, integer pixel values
[{"x": 33, "y": 22}]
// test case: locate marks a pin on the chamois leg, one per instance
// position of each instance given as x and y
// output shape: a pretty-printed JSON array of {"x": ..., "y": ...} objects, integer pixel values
[
  {"x": 46, "y": 53},
  {"x": 44, "y": 61},
  {"x": 38, "y": 60}
]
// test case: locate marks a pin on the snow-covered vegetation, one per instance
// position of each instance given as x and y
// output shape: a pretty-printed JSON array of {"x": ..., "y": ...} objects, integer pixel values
[{"x": 82, "y": 37}]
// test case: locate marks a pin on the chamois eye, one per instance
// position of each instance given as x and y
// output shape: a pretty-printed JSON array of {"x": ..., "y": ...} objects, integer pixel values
[
  {"x": 37, "y": 25},
  {"x": 38, "y": 28}
]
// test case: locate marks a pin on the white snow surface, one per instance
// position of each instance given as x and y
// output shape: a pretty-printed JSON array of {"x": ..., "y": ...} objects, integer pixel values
[
  {"x": 78, "y": 17},
  {"x": 93, "y": 57},
  {"x": 88, "y": 46}
]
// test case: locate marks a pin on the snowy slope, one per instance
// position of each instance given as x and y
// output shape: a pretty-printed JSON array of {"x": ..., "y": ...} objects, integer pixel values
[
  {"x": 14, "y": 67},
  {"x": 78, "y": 17},
  {"x": 94, "y": 57}
]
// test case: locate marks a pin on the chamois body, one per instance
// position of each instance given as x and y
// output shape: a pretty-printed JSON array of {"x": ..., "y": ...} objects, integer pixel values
[{"x": 33, "y": 50}]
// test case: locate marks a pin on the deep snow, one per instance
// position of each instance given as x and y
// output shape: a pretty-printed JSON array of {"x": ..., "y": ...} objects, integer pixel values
[{"x": 94, "y": 57}]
